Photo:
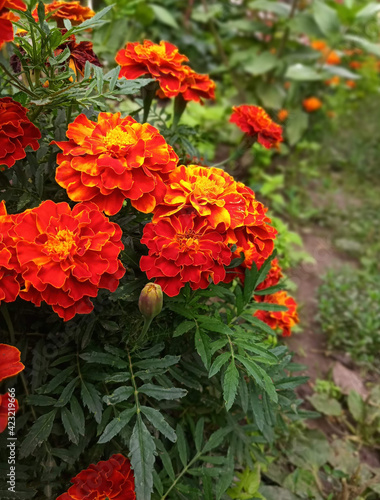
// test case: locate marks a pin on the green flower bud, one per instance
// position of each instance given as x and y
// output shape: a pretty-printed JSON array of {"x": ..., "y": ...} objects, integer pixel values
[{"x": 150, "y": 301}]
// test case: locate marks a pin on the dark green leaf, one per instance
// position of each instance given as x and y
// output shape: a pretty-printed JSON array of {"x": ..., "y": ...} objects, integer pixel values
[
  {"x": 116, "y": 425},
  {"x": 142, "y": 455},
  {"x": 92, "y": 400},
  {"x": 202, "y": 346},
  {"x": 155, "y": 391},
  {"x": 158, "y": 421},
  {"x": 120, "y": 394},
  {"x": 69, "y": 425},
  {"x": 181, "y": 445},
  {"x": 218, "y": 363},
  {"x": 183, "y": 327},
  {"x": 38, "y": 433},
  {"x": 230, "y": 383}
]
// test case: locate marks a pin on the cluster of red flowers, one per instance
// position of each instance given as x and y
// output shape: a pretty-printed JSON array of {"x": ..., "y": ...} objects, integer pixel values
[
  {"x": 7, "y": 17},
  {"x": 60, "y": 256},
  {"x": 108, "y": 479},
  {"x": 277, "y": 320},
  {"x": 10, "y": 366},
  {"x": 163, "y": 62}
]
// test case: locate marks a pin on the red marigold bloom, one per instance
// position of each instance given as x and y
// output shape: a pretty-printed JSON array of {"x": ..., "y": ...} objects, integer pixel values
[
  {"x": 161, "y": 61},
  {"x": 282, "y": 115},
  {"x": 255, "y": 122},
  {"x": 79, "y": 53},
  {"x": 5, "y": 405},
  {"x": 211, "y": 193},
  {"x": 184, "y": 249},
  {"x": 65, "y": 256},
  {"x": 66, "y": 10},
  {"x": 7, "y": 17},
  {"x": 197, "y": 86},
  {"x": 113, "y": 160},
  {"x": 10, "y": 364},
  {"x": 281, "y": 320},
  {"x": 311, "y": 104},
  {"x": 9, "y": 285},
  {"x": 16, "y": 132},
  {"x": 273, "y": 277},
  {"x": 111, "y": 479}
]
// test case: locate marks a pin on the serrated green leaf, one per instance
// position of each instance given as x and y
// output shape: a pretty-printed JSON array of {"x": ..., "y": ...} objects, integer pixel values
[
  {"x": 37, "y": 400},
  {"x": 69, "y": 425},
  {"x": 202, "y": 346},
  {"x": 230, "y": 384},
  {"x": 166, "y": 460},
  {"x": 59, "y": 379},
  {"x": 120, "y": 394},
  {"x": 216, "y": 439},
  {"x": 78, "y": 415},
  {"x": 268, "y": 306},
  {"x": 181, "y": 445},
  {"x": 260, "y": 376},
  {"x": 198, "y": 434},
  {"x": 218, "y": 363},
  {"x": 158, "y": 392},
  {"x": 183, "y": 327},
  {"x": 158, "y": 363},
  {"x": 258, "y": 323},
  {"x": 116, "y": 425},
  {"x": 256, "y": 406},
  {"x": 67, "y": 392},
  {"x": 142, "y": 455},
  {"x": 214, "y": 325},
  {"x": 291, "y": 382},
  {"x": 250, "y": 282},
  {"x": 92, "y": 400},
  {"x": 158, "y": 421},
  {"x": 38, "y": 433}
]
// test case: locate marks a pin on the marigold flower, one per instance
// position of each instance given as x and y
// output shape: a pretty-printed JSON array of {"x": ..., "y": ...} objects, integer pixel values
[
  {"x": 4, "y": 410},
  {"x": 151, "y": 301},
  {"x": 16, "y": 132},
  {"x": 351, "y": 84},
  {"x": 9, "y": 285},
  {"x": 333, "y": 82},
  {"x": 279, "y": 320},
  {"x": 209, "y": 192},
  {"x": 332, "y": 58},
  {"x": 355, "y": 64},
  {"x": 80, "y": 53},
  {"x": 311, "y": 104},
  {"x": 161, "y": 61},
  {"x": 273, "y": 277},
  {"x": 10, "y": 364},
  {"x": 319, "y": 45},
  {"x": 114, "y": 159},
  {"x": 59, "y": 11},
  {"x": 282, "y": 115},
  {"x": 255, "y": 122},
  {"x": 65, "y": 256},
  {"x": 195, "y": 86},
  {"x": 108, "y": 479},
  {"x": 7, "y": 17},
  {"x": 184, "y": 249}
]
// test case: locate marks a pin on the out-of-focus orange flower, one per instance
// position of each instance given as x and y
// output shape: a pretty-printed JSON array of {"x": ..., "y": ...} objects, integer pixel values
[
  {"x": 16, "y": 132},
  {"x": 80, "y": 53},
  {"x": 10, "y": 364},
  {"x": 355, "y": 64},
  {"x": 9, "y": 284},
  {"x": 255, "y": 122},
  {"x": 7, "y": 17},
  {"x": 286, "y": 85},
  {"x": 208, "y": 192},
  {"x": 282, "y": 115},
  {"x": 273, "y": 277},
  {"x": 311, "y": 104},
  {"x": 111, "y": 479},
  {"x": 161, "y": 61},
  {"x": 279, "y": 320},
  {"x": 332, "y": 58},
  {"x": 331, "y": 114},
  {"x": 319, "y": 45},
  {"x": 333, "y": 82},
  {"x": 58, "y": 11},
  {"x": 6, "y": 406},
  {"x": 350, "y": 84},
  {"x": 114, "y": 159},
  {"x": 65, "y": 256},
  {"x": 184, "y": 249}
]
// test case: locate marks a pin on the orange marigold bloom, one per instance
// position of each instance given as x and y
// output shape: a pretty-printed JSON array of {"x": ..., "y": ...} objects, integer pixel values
[
  {"x": 332, "y": 58},
  {"x": 16, "y": 132},
  {"x": 255, "y": 122},
  {"x": 5, "y": 406},
  {"x": 196, "y": 86},
  {"x": 58, "y": 11},
  {"x": 65, "y": 256},
  {"x": 111, "y": 479},
  {"x": 7, "y": 17},
  {"x": 319, "y": 45},
  {"x": 161, "y": 61},
  {"x": 184, "y": 249},
  {"x": 208, "y": 192},
  {"x": 355, "y": 64},
  {"x": 281, "y": 320},
  {"x": 113, "y": 160},
  {"x": 351, "y": 84},
  {"x": 273, "y": 277},
  {"x": 333, "y": 82},
  {"x": 311, "y": 104},
  {"x": 282, "y": 115},
  {"x": 10, "y": 364},
  {"x": 9, "y": 285}
]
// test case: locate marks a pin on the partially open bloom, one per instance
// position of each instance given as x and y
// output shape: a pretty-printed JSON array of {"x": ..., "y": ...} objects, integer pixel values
[
  {"x": 208, "y": 192},
  {"x": 184, "y": 249},
  {"x": 114, "y": 159},
  {"x": 255, "y": 122},
  {"x": 10, "y": 364},
  {"x": 16, "y": 132},
  {"x": 161, "y": 61},
  {"x": 110, "y": 479},
  {"x": 280, "y": 320},
  {"x": 80, "y": 53},
  {"x": 74, "y": 11},
  {"x": 273, "y": 277},
  {"x": 282, "y": 115},
  {"x": 65, "y": 256},
  {"x": 5, "y": 406},
  {"x": 311, "y": 104},
  {"x": 151, "y": 301},
  {"x": 7, "y": 17}
]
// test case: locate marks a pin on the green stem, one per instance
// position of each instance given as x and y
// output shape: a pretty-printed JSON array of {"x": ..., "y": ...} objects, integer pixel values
[
  {"x": 136, "y": 392},
  {"x": 147, "y": 323},
  {"x": 245, "y": 144},
  {"x": 148, "y": 93},
  {"x": 184, "y": 470},
  {"x": 16, "y": 82}
]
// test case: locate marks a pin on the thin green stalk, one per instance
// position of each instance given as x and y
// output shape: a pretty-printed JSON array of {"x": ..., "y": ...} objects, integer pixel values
[{"x": 184, "y": 470}]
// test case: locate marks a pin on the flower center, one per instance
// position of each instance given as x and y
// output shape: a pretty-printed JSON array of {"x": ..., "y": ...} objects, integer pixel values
[
  {"x": 60, "y": 243},
  {"x": 187, "y": 240},
  {"x": 207, "y": 188},
  {"x": 118, "y": 137}
]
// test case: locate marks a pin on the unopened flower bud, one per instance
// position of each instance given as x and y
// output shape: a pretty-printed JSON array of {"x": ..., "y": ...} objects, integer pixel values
[{"x": 150, "y": 301}]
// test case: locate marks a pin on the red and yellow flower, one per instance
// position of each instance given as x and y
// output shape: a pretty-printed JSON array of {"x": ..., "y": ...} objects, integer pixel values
[
  {"x": 5, "y": 405},
  {"x": 58, "y": 11},
  {"x": 184, "y": 249},
  {"x": 10, "y": 364},
  {"x": 114, "y": 159},
  {"x": 16, "y": 132},
  {"x": 273, "y": 277},
  {"x": 65, "y": 256},
  {"x": 111, "y": 479},
  {"x": 279, "y": 320},
  {"x": 255, "y": 122},
  {"x": 311, "y": 104},
  {"x": 7, "y": 18},
  {"x": 9, "y": 284}
]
